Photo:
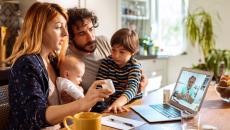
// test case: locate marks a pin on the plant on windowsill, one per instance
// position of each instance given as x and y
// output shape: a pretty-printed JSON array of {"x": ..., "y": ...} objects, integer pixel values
[
  {"x": 146, "y": 45},
  {"x": 199, "y": 31}
]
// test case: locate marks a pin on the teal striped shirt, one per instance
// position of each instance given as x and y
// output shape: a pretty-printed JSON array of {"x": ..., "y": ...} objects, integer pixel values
[{"x": 126, "y": 80}]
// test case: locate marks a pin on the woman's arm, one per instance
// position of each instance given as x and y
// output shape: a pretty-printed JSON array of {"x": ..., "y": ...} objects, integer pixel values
[
  {"x": 56, "y": 114},
  {"x": 28, "y": 92}
]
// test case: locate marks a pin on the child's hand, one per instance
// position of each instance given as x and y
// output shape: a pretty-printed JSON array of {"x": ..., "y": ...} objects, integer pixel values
[{"x": 116, "y": 107}]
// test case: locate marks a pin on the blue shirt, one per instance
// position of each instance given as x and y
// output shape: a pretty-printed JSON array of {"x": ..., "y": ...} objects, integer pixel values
[
  {"x": 28, "y": 93},
  {"x": 191, "y": 91}
]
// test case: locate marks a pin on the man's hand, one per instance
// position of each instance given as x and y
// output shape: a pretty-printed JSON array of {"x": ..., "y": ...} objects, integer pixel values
[
  {"x": 179, "y": 96},
  {"x": 66, "y": 98},
  {"x": 143, "y": 83}
]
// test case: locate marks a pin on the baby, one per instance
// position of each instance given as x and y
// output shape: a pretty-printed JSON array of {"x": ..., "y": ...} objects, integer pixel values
[{"x": 71, "y": 72}]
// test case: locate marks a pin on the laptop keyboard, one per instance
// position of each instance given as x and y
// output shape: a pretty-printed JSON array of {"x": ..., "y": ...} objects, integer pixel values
[{"x": 166, "y": 110}]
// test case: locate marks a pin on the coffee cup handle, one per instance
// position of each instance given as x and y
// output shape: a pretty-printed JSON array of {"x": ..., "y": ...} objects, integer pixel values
[{"x": 65, "y": 122}]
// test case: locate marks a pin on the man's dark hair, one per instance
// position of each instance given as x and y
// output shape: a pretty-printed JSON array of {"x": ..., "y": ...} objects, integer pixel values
[
  {"x": 77, "y": 17},
  {"x": 192, "y": 77}
]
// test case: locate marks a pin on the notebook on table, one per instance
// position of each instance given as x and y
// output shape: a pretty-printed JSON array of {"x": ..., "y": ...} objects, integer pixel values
[{"x": 188, "y": 94}]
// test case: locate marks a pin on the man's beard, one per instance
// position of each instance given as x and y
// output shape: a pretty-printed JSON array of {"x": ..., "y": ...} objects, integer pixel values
[{"x": 83, "y": 48}]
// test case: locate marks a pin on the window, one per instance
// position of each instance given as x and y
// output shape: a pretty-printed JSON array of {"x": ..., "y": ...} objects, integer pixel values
[
  {"x": 167, "y": 25},
  {"x": 161, "y": 30}
]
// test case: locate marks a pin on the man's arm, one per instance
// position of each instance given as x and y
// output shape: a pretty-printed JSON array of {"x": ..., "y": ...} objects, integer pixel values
[
  {"x": 143, "y": 84},
  {"x": 191, "y": 95},
  {"x": 189, "y": 99},
  {"x": 179, "y": 95}
]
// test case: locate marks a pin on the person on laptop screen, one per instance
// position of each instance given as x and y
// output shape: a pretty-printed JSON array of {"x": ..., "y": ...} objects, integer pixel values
[{"x": 187, "y": 92}]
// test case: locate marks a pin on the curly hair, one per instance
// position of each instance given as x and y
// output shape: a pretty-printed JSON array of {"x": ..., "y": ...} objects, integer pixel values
[{"x": 77, "y": 17}]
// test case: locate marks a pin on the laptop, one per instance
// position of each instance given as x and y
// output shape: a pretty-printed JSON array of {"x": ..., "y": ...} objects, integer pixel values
[{"x": 188, "y": 95}]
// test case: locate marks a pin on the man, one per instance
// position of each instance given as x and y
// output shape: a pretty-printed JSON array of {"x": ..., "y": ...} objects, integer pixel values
[
  {"x": 84, "y": 44},
  {"x": 187, "y": 92}
]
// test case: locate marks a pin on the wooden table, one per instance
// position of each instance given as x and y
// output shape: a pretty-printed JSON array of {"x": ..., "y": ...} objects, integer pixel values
[{"x": 214, "y": 112}]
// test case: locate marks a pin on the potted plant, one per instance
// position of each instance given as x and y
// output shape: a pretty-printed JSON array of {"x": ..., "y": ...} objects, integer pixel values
[
  {"x": 146, "y": 44},
  {"x": 217, "y": 61},
  {"x": 199, "y": 30}
]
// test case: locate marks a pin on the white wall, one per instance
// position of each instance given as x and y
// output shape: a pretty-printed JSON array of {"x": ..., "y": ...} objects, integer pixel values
[
  {"x": 63, "y": 3},
  {"x": 107, "y": 12},
  {"x": 221, "y": 29},
  {"x": 25, "y": 4}
]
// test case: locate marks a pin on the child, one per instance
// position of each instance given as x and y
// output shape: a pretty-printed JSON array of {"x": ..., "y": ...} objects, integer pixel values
[
  {"x": 123, "y": 69},
  {"x": 71, "y": 72}
]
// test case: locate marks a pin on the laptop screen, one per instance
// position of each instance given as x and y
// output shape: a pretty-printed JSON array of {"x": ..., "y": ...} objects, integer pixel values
[{"x": 191, "y": 88}]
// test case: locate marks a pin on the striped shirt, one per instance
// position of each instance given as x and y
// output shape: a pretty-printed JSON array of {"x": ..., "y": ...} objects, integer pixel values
[{"x": 126, "y": 80}]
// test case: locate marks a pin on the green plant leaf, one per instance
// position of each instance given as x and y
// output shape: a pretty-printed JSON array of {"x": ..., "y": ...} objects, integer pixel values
[{"x": 199, "y": 30}]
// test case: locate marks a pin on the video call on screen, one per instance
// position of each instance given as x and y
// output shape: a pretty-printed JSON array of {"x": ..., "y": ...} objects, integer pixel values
[{"x": 197, "y": 90}]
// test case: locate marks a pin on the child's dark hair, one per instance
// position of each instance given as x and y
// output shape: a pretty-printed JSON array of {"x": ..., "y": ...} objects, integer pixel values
[{"x": 126, "y": 38}]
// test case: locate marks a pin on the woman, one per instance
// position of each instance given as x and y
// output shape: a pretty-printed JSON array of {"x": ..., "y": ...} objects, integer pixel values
[{"x": 32, "y": 92}]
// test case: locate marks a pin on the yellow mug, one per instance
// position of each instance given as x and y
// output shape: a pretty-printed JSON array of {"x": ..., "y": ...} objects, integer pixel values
[{"x": 84, "y": 121}]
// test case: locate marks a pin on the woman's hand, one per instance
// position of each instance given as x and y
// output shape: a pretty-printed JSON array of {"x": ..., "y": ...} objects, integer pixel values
[{"x": 94, "y": 95}]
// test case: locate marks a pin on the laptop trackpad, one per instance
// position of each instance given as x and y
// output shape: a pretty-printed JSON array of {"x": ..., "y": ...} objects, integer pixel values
[{"x": 149, "y": 113}]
